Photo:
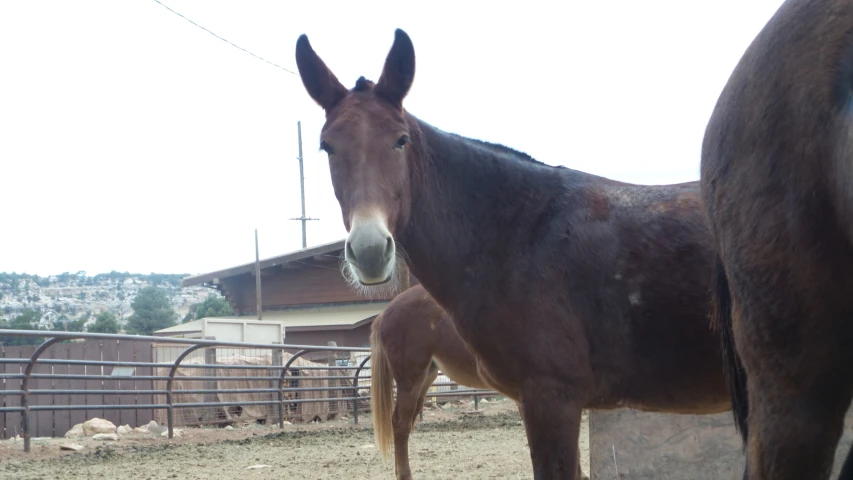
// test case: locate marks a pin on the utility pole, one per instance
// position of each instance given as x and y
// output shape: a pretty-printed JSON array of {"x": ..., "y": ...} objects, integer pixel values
[
  {"x": 303, "y": 218},
  {"x": 258, "y": 278}
]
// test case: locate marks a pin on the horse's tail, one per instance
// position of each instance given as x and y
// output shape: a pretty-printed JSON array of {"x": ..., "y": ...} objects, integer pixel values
[
  {"x": 735, "y": 374},
  {"x": 381, "y": 395}
]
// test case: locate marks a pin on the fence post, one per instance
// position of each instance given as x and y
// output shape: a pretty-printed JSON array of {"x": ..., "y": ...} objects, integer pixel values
[
  {"x": 25, "y": 388},
  {"x": 276, "y": 359},
  {"x": 281, "y": 382},
  {"x": 170, "y": 415},
  {"x": 476, "y": 402},
  {"x": 332, "y": 361},
  {"x": 355, "y": 390},
  {"x": 210, "y": 359}
]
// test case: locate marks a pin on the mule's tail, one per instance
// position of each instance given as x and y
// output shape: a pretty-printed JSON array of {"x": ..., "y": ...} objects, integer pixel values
[
  {"x": 735, "y": 374},
  {"x": 381, "y": 394}
]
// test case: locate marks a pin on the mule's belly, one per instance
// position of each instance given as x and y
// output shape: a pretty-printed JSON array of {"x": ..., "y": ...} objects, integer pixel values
[
  {"x": 684, "y": 403},
  {"x": 699, "y": 390}
]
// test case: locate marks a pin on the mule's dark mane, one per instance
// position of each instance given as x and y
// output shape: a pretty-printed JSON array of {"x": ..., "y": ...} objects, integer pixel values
[
  {"x": 363, "y": 85},
  {"x": 498, "y": 148}
]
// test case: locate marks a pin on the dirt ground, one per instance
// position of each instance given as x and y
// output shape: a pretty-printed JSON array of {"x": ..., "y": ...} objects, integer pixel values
[{"x": 452, "y": 442}]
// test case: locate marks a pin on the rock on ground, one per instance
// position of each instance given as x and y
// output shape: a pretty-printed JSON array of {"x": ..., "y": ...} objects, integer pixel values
[
  {"x": 124, "y": 430},
  {"x": 76, "y": 431},
  {"x": 105, "y": 436},
  {"x": 156, "y": 429},
  {"x": 98, "y": 425}
]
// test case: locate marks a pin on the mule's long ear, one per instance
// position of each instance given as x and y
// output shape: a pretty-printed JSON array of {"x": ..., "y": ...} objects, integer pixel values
[
  {"x": 321, "y": 83},
  {"x": 399, "y": 71}
]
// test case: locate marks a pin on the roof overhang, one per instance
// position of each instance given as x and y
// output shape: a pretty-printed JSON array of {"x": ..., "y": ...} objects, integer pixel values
[
  {"x": 281, "y": 260},
  {"x": 299, "y": 319}
]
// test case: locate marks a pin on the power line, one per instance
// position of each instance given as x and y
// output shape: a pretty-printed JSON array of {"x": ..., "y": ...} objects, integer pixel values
[{"x": 224, "y": 40}]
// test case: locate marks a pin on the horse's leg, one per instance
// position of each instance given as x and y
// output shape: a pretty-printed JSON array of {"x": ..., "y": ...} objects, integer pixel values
[
  {"x": 580, "y": 473},
  {"x": 794, "y": 427},
  {"x": 405, "y": 411},
  {"x": 552, "y": 416},
  {"x": 431, "y": 375},
  {"x": 847, "y": 469}
]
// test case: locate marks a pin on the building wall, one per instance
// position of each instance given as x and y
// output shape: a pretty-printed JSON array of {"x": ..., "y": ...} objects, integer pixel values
[
  {"x": 357, "y": 337},
  {"x": 290, "y": 287}
]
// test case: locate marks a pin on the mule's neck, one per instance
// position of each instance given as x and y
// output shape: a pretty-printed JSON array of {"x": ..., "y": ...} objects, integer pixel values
[{"x": 472, "y": 205}]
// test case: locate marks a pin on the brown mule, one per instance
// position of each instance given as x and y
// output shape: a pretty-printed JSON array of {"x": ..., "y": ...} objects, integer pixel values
[
  {"x": 410, "y": 340},
  {"x": 777, "y": 182},
  {"x": 571, "y": 289}
]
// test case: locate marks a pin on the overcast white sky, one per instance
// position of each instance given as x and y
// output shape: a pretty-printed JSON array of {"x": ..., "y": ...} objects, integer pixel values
[{"x": 132, "y": 140}]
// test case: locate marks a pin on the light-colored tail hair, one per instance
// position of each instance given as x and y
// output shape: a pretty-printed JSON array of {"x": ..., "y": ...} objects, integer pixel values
[{"x": 381, "y": 394}]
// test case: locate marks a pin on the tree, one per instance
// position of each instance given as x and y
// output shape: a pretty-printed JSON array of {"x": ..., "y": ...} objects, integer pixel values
[
  {"x": 212, "y": 306},
  {"x": 151, "y": 312},
  {"x": 64, "y": 324},
  {"x": 105, "y": 322},
  {"x": 28, "y": 320}
]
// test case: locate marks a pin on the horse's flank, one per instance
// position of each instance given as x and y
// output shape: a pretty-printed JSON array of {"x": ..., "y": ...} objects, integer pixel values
[{"x": 776, "y": 182}]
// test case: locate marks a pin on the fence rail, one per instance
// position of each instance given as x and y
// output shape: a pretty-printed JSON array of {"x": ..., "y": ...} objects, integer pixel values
[{"x": 22, "y": 396}]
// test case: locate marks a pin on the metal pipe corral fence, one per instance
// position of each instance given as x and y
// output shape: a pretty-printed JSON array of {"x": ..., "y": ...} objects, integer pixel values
[{"x": 280, "y": 375}]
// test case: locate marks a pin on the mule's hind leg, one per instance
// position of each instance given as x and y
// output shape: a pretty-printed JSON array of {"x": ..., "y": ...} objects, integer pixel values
[
  {"x": 793, "y": 432},
  {"x": 552, "y": 416},
  {"x": 847, "y": 470},
  {"x": 431, "y": 375},
  {"x": 405, "y": 411}
]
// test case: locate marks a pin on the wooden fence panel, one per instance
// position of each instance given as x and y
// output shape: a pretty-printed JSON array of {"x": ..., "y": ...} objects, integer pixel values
[
  {"x": 41, "y": 422},
  {"x": 3, "y": 354},
  {"x": 14, "y": 420},
  {"x": 125, "y": 353},
  {"x": 109, "y": 353},
  {"x": 144, "y": 352},
  {"x": 76, "y": 351},
  {"x": 92, "y": 351},
  {"x": 61, "y": 418}
]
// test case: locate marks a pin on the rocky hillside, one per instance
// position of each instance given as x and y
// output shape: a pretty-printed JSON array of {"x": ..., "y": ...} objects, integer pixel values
[{"x": 76, "y": 294}]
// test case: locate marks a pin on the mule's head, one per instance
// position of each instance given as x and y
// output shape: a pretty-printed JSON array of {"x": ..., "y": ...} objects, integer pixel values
[{"x": 366, "y": 137}]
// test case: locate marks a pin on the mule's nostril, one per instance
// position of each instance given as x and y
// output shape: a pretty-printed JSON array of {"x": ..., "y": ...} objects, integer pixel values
[
  {"x": 350, "y": 253},
  {"x": 389, "y": 246}
]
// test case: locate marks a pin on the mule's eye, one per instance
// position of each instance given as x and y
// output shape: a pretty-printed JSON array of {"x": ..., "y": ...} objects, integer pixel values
[
  {"x": 327, "y": 148},
  {"x": 402, "y": 141}
]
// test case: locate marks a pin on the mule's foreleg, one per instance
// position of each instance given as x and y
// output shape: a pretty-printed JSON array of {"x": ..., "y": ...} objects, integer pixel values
[
  {"x": 552, "y": 416},
  {"x": 580, "y": 473}
]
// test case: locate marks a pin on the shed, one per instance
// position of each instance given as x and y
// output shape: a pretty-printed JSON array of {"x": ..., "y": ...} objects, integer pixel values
[{"x": 304, "y": 290}]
